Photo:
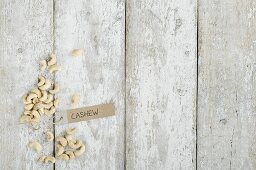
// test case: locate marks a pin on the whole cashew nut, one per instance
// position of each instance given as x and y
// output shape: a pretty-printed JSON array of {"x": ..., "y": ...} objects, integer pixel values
[
  {"x": 41, "y": 80},
  {"x": 62, "y": 141},
  {"x": 52, "y": 60},
  {"x": 46, "y": 85},
  {"x": 55, "y": 90},
  {"x": 80, "y": 151}
]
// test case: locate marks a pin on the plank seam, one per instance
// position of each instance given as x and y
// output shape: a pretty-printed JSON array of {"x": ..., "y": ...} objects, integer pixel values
[
  {"x": 197, "y": 75},
  {"x": 125, "y": 80}
]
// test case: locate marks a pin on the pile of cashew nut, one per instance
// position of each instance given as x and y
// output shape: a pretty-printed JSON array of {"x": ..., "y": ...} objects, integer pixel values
[{"x": 41, "y": 101}]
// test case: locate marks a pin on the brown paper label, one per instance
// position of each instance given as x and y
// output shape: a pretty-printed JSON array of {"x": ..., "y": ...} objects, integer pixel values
[{"x": 86, "y": 113}]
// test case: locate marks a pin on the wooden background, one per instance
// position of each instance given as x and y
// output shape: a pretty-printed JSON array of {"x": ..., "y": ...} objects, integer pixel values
[{"x": 180, "y": 72}]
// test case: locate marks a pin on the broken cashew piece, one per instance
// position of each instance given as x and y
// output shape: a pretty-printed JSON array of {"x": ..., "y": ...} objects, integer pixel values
[
  {"x": 68, "y": 137},
  {"x": 42, "y": 158},
  {"x": 80, "y": 151},
  {"x": 60, "y": 150},
  {"x": 49, "y": 136},
  {"x": 77, "y": 52},
  {"x": 56, "y": 102},
  {"x": 54, "y": 68},
  {"x": 49, "y": 159},
  {"x": 62, "y": 140},
  {"x": 24, "y": 99},
  {"x": 41, "y": 80},
  {"x": 43, "y": 65},
  {"x": 52, "y": 60},
  {"x": 35, "y": 145},
  {"x": 46, "y": 85},
  {"x": 55, "y": 90},
  {"x": 25, "y": 119}
]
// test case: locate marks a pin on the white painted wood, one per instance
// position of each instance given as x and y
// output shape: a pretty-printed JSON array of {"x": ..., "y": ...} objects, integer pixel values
[
  {"x": 97, "y": 76},
  {"x": 25, "y": 38},
  {"x": 161, "y": 84},
  {"x": 226, "y": 110}
]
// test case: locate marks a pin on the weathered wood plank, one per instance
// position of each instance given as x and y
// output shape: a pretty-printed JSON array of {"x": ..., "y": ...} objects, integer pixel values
[
  {"x": 98, "y": 76},
  {"x": 25, "y": 38},
  {"x": 161, "y": 84},
  {"x": 226, "y": 110}
]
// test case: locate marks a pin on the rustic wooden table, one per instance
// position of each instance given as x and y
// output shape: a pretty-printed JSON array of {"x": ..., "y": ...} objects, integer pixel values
[{"x": 180, "y": 72}]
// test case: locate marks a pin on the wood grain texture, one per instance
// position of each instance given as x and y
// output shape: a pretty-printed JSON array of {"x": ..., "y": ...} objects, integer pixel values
[
  {"x": 226, "y": 110},
  {"x": 161, "y": 84},
  {"x": 97, "y": 76},
  {"x": 25, "y": 38}
]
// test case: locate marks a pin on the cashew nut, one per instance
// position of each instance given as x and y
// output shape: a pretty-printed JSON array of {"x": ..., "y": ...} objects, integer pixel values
[
  {"x": 56, "y": 102},
  {"x": 77, "y": 52},
  {"x": 70, "y": 154},
  {"x": 54, "y": 68},
  {"x": 68, "y": 137},
  {"x": 49, "y": 98},
  {"x": 46, "y": 85},
  {"x": 37, "y": 92},
  {"x": 48, "y": 105},
  {"x": 41, "y": 80},
  {"x": 55, "y": 90},
  {"x": 75, "y": 99},
  {"x": 61, "y": 140},
  {"x": 35, "y": 145},
  {"x": 80, "y": 151},
  {"x": 29, "y": 106},
  {"x": 38, "y": 106},
  {"x": 49, "y": 136},
  {"x": 36, "y": 116},
  {"x": 24, "y": 99},
  {"x": 51, "y": 111},
  {"x": 25, "y": 119},
  {"x": 60, "y": 150},
  {"x": 64, "y": 156},
  {"x": 27, "y": 112},
  {"x": 75, "y": 144},
  {"x": 41, "y": 111},
  {"x": 35, "y": 100},
  {"x": 71, "y": 131},
  {"x": 31, "y": 96},
  {"x": 43, "y": 65},
  {"x": 44, "y": 96},
  {"x": 49, "y": 159},
  {"x": 52, "y": 60}
]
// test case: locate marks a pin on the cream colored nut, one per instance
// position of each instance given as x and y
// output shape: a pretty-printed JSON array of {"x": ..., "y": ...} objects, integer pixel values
[
  {"x": 49, "y": 136},
  {"x": 31, "y": 96},
  {"x": 49, "y": 98},
  {"x": 55, "y": 90},
  {"x": 41, "y": 81},
  {"x": 27, "y": 112},
  {"x": 24, "y": 99},
  {"x": 59, "y": 150},
  {"x": 37, "y": 92},
  {"x": 50, "y": 112},
  {"x": 25, "y": 119},
  {"x": 56, "y": 102},
  {"x": 29, "y": 106},
  {"x": 71, "y": 131},
  {"x": 46, "y": 85},
  {"x": 35, "y": 114},
  {"x": 80, "y": 151},
  {"x": 75, "y": 144},
  {"x": 41, "y": 158},
  {"x": 54, "y": 68},
  {"x": 49, "y": 159},
  {"x": 77, "y": 52},
  {"x": 68, "y": 137},
  {"x": 43, "y": 65},
  {"x": 44, "y": 96},
  {"x": 61, "y": 140},
  {"x": 53, "y": 60},
  {"x": 48, "y": 105},
  {"x": 35, "y": 145},
  {"x": 41, "y": 111},
  {"x": 38, "y": 105},
  {"x": 75, "y": 99},
  {"x": 70, "y": 154},
  {"x": 64, "y": 156},
  {"x": 35, "y": 100}
]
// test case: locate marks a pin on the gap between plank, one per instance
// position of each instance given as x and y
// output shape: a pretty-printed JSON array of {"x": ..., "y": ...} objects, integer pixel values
[
  {"x": 197, "y": 74},
  {"x": 125, "y": 76}
]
